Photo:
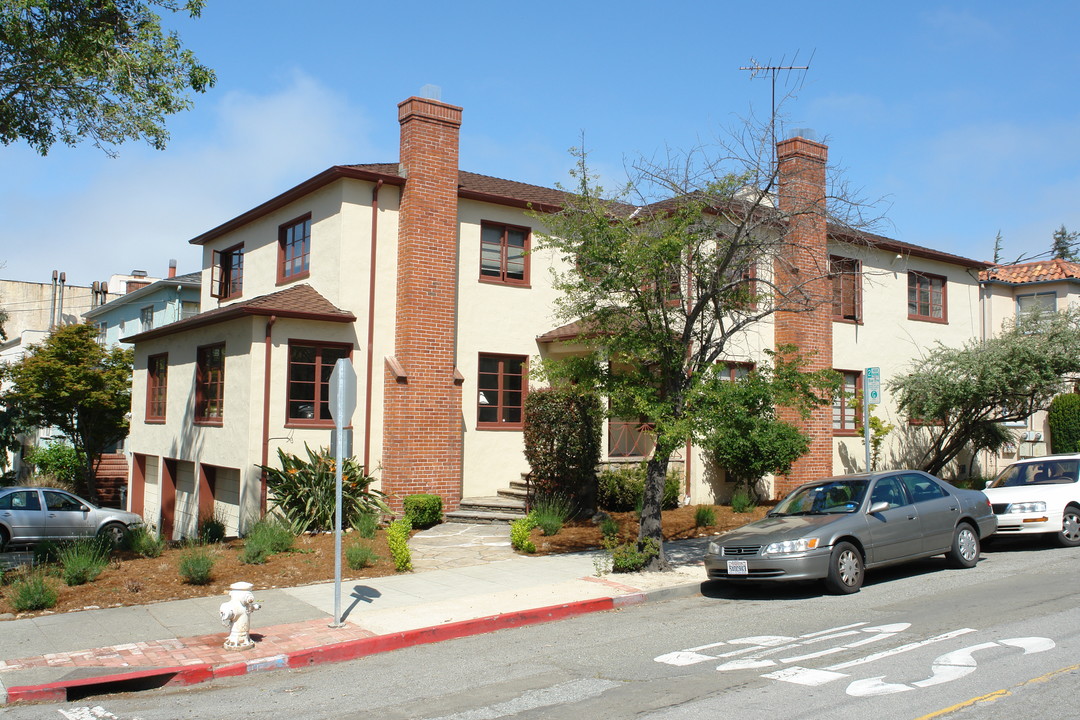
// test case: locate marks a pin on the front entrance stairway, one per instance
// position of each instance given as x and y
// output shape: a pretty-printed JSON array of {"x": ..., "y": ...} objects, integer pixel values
[{"x": 505, "y": 507}]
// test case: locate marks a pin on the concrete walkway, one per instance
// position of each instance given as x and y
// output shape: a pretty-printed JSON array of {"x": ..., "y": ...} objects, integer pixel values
[{"x": 467, "y": 580}]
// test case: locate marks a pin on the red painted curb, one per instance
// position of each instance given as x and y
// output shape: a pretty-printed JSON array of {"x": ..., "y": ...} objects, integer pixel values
[{"x": 182, "y": 675}]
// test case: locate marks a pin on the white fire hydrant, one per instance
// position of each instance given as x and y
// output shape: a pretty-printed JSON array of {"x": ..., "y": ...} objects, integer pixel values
[{"x": 236, "y": 614}]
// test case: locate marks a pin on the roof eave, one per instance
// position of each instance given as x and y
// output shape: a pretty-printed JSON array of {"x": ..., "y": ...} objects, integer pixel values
[{"x": 240, "y": 312}]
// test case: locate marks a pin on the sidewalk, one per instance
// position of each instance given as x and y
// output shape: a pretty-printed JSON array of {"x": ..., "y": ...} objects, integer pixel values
[{"x": 466, "y": 581}]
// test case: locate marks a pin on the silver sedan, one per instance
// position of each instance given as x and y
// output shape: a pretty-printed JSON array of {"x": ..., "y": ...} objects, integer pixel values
[
  {"x": 835, "y": 528},
  {"x": 30, "y": 515}
]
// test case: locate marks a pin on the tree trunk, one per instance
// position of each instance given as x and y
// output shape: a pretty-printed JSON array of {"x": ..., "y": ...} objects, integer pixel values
[{"x": 651, "y": 518}]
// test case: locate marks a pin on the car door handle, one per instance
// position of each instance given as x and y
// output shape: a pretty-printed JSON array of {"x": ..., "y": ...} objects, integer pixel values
[{"x": 953, "y": 508}]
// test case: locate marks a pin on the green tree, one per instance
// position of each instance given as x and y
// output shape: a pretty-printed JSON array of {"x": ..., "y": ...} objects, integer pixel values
[
  {"x": 72, "y": 382},
  {"x": 103, "y": 70},
  {"x": 962, "y": 395},
  {"x": 563, "y": 432},
  {"x": 661, "y": 286},
  {"x": 1064, "y": 246},
  {"x": 1064, "y": 419},
  {"x": 743, "y": 433}
]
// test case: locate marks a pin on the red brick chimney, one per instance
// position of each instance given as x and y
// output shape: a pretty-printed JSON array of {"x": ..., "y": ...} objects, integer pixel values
[
  {"x": 422, "y": 435},
  {"x": 803, "y": 270}
]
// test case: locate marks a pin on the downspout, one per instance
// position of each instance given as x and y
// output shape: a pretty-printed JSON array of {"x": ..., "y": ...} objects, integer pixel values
[
  {"x": 52, "y": 305},
  {"x": 369, "y": 390},
  {"x": 267, "y": 348}
]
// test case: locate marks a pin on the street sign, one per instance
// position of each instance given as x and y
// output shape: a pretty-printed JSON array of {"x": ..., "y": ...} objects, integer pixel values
[
  {"x": 873, "y": 385},
  {"x": 342, "y": 392}
]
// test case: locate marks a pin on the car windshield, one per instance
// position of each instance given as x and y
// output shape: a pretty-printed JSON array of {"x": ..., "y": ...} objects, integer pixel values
[
  {"x": 833, "y": 496},
  {"x": 1043, "y": 472}
]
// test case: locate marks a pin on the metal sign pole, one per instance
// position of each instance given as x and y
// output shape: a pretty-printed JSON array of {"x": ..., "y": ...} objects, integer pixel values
[
  {"x": 866, "y": 426},
  {"x": 342, "y": 405}
]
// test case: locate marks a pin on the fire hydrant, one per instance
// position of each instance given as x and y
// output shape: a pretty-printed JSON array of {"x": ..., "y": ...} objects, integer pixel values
[{"x": 236, "y": 614}]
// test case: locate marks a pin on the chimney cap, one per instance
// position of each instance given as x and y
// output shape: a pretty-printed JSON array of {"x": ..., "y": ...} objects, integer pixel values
[
  {"x": 805, "y": 133},
  {"x": 431, "y": 92},
  {"x": 138, "y": 273}
]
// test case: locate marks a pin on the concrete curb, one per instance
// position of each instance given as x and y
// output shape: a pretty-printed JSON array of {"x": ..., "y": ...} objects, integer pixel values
[{"x": 144, "y": 679}]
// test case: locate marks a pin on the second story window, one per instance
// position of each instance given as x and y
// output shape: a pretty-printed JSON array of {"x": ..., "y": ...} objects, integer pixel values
[
  {"x": 926, "y": 297},
  {"x": 504, "y": 254},
  {"x": 210, "y": 384},
  {"x": 294, "y": 249},
  {"x": 146, "y": 319},
  {"x": 227, "y": 279},
  {"x": 846, "y": 288},
  {"x": 157, "y": 383}
]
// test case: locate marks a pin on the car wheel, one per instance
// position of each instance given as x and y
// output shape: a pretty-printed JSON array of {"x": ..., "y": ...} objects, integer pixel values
[
  {"x": 5, "y": 538},
  {"x": 114, "y": 533},
  {"x": 965, "y": 547},
  {"x": 1070, "y": 528},
  {"x": 845, "y": 570}
]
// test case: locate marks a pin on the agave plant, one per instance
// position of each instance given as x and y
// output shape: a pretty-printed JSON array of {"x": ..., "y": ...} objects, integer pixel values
[{"x": 303, "y": 490}]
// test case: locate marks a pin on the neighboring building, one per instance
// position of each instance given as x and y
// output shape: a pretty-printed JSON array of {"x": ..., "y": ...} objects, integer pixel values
[
  {"x": 424, "y": 277},
  {"x": 147, "y": 307}
]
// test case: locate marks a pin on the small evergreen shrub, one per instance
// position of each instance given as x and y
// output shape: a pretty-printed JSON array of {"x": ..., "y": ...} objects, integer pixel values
[
  {"x": 623, "y": 489},
  {"x": 211, "y": 529},
  {"x": 196, "y": 565},
  {"x": 32, "y": 593},
  {"x": 633, "y": 556},
  {"x": 367, "y": 524},
  {"x": 397, "y": 537},
  {"x": 143, "y": 540},
  {"x": 704, "y": 516},
  {"x": 519, "y": 534},
  {"x": 1064, "y": 419},
  {"x": 551, "y": 512},
  {"x": 741, "y": 502},
  {"x": 46, "y": 552},
  {"x": 423, "y": 510},
  {"x": 360, "y": 555},
  {"x": 59, "y": 462},
  {"x": 563, "y": 431},
  {"x": 82, "y": 561},
  {"x": 609, "y": 528},
  {"x": 268, "y": 536}
]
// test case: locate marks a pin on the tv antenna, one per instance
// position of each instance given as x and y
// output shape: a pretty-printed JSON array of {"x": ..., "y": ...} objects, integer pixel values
[{"x": 771, "y": 71}]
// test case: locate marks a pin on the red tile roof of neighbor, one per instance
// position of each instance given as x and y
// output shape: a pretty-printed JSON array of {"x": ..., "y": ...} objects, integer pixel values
[
  {"x": 298, "y": 301},
  {"x": 1033, "y": 272}
]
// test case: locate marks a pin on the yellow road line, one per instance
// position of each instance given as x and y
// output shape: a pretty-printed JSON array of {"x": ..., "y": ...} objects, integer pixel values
[{"x": 997, "y": 694}]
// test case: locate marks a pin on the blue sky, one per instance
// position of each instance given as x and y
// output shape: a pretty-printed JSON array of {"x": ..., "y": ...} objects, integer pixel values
[{"x": 964, "y": 116}]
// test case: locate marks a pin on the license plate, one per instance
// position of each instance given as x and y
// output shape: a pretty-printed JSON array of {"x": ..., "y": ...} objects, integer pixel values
[{"x": 736, "y": 567}]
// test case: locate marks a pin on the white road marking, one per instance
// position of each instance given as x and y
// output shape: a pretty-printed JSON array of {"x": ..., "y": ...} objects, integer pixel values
[
  {"x": 804, "y": 676},
  {"x": 901, "y": 649},
  {"x": 566, "y": 693},
  {"x": 88, "y": 713}
]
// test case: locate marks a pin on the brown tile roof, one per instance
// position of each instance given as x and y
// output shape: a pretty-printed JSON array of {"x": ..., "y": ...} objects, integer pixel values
[
  {"x": 298, "y": 301},
  {"x": 1033, "y": 272}
]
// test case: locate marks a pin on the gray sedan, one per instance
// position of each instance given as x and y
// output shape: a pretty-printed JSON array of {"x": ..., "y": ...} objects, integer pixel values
[
  {"x": 30, "y": 514},
  {"x": 835, "y": 528}
]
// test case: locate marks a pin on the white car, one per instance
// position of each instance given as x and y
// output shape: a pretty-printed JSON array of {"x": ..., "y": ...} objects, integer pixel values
[{"x": 1039, "y": 496}]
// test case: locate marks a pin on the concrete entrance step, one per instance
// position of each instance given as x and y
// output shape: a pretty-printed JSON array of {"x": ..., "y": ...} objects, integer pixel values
[{"x": 487, "y": 510}]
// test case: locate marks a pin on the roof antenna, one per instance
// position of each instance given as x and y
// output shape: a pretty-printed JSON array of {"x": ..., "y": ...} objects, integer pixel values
[{"x": 762, "y": 70}]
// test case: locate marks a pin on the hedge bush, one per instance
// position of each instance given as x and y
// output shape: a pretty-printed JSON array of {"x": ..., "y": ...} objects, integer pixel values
[
  {"x": 397, "y": 537},
  {"x": 1064, "y": 419},
  {"x": 519, "y": 534},
  {"x": 563, "y": 430},
  {"x": 423, "y": 511},
  {"x": 621, "y": 489}
]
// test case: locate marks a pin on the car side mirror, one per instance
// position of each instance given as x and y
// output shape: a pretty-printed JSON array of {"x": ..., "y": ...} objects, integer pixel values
[
  {"x": 988, "y": 484},
  {"x": 83, "y": 508},
  {"x": 878, "y": 507}
]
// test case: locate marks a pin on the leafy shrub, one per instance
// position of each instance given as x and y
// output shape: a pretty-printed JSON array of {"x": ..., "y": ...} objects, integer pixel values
[
  {"x": 144, "y": 540},
  {"x": 196, "y": 565},
  {"x": 422, "y": 510},
  {"x": 519, "y": 534},
  {"x": 609, "y": 528},
  {"x": 633, "y": 556},
  {"x": 704, "y": 516},
  {"x": 397, "y": 537},
  {"x": 211, "y": 529},
  {"x": 742, "y": 502},
  {"x": 46, "y": 552},
  {"x": 268, "y": 536},
  {"x": 305, "y": 490},
  {"x": 551, "y": 512},
  {"x": 59, "y": 461},
  {"x": 622, "y": 489},
  {"x": 367, "y": 524},
  {"x": 81, "y": 561},
  {"x": 563, "y": 430},
  {"x": 32, "y": 593},
  {"x": 1064, "y": 419},
  {"x": 360, "y": 555}
]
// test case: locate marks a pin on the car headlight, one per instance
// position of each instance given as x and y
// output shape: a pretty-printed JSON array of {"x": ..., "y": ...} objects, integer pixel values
[
  {"x": 1027, "y": 507},
  {"x": 790, "y": 546},
  {"x": 714, "y": 549}
]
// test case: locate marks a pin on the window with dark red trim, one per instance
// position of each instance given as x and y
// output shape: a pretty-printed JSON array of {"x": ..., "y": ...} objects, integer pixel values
[
  {"x": 846, "y": 407},
  {"x": 294, "y": 249},
  {"x": 846, "y": 276},
  {"x": 210, "y": 384},
  {"x": 157, "y": 374},
  {"x": 501, "y": 390},
  {"x": 310, "y": 366},
  {"x": 927, "y": 297},
  {"x": 227, "y": 273},
  {"x": 504, "y": 254},
  {"x": 734, "y": 370}
]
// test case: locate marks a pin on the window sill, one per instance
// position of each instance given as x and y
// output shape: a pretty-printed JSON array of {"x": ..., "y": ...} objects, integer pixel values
[
  {"x": 846, "y": 433},
  {"x": 506, "y": 283},
  {"x": 847, "y": 321},
  {"x": 293, "y": 278},
  {"x": 154, "y": 421},
  {"x": 313, "y": 424},
  {"x": 923, "y": 318},
  {"x": 213, "y": 422},
  {"x": 501, "y": 426}
]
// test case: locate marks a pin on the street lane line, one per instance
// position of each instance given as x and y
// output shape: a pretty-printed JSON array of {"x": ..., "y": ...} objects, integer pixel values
[{"x": 901, "y": 649}]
